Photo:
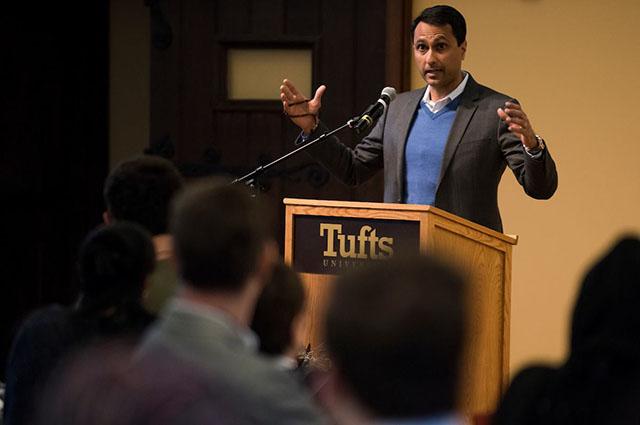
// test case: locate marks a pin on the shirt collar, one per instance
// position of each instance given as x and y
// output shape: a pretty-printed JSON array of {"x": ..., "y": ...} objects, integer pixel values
[
  {"x": 220, "y": 317},
  {"x": 436, "y": 105}
]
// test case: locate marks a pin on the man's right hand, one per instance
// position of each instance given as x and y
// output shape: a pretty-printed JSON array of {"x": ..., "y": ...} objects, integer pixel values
[{"x": 302, "y": 111}]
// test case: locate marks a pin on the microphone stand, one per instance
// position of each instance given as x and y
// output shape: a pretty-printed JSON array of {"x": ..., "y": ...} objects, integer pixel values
[{"x": 251, "y": 179}]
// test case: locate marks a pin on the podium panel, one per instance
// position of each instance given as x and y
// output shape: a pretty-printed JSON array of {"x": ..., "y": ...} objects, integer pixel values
[{"x": 325, "y": 238}]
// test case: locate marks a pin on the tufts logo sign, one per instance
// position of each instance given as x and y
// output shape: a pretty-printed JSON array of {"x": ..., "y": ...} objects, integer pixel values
[
  {"x": 365, "y": 245},
  {"x": 330, "y": 245}
]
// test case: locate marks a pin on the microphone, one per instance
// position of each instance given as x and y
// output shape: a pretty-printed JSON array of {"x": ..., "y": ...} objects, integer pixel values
[{"x": 372, "y": 113}]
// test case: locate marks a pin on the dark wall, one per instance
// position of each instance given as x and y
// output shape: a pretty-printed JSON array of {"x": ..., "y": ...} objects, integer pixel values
[
  {"x": 54, "y": 123},
  {"x": 53, "y": 148}
]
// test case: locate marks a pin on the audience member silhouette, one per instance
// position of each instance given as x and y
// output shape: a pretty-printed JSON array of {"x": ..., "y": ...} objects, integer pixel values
[
  {"x": 100, "y": 386},
  {"x": 278, "y": 320},
  {"x": 600, "y": 381},
  {"x": 140, "y": 190},
  {"x": 114, "y": 261},
  {"x": 395, "y": 335},
  {"x": 224, "y": 254}
]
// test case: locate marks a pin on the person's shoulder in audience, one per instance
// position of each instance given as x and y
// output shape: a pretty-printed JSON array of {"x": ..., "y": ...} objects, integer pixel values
[
  {"x": 599, "y": 382},
  {"x": 258, "y": 389},
  {"x": 100, "y": 384}
]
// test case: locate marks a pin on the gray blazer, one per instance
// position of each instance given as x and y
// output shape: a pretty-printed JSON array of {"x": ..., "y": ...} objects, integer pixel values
[
  {"x": 251, "y": 388},
  {"x": 478, "y": 150}
]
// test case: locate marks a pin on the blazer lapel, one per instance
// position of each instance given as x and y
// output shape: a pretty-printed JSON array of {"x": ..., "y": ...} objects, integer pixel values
[
  {"x": 402, "y": 132},
  {"x": 466, "y": 109}
]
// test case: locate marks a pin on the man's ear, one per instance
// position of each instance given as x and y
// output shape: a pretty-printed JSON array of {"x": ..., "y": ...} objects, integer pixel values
[
  {"x": 107, "y": 218},
  {"x": 463, "y": 46}
]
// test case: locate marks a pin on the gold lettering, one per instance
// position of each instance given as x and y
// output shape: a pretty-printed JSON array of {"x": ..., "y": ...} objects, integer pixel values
[
  {"x": 386, "y": 246},
  {"x": 362, "y": 239},
  {"x": 351, "y": 253},
  {"x": 373, "y": 245},
  {"x": 362, "y": 246},
  {"x": 330, "y": 230}
]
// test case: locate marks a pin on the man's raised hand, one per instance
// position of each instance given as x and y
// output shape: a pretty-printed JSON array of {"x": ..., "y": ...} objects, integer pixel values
[
  {"x": 302, "y": 111},
  {"x": 518, "y": 122}
]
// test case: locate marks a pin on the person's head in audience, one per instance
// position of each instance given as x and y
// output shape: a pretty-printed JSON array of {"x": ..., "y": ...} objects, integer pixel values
[
  {"x": 606, "y": 317},
  {"x": 113, "y": 263},
  {"x": 278, "y": 319},
  {"x": 394, "y": 333},
  {"x": 600, "y": 381},
  {"x": 223, "y": 244},
  {"x": 101, "y": 386},
  {"x": 140, "y": 190}
]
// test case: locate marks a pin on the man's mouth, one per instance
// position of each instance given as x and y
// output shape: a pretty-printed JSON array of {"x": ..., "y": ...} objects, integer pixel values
[{"x": 432, "y": 72}]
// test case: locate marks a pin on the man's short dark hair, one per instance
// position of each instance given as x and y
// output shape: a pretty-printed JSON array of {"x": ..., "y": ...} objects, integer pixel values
[
  {"x": 441, "y": 16},
  {"x": 140, "y": 190},
  {"x": 395, "y": 334},
  {"x": 281, "y": 301},
  {"x": 219, "y": 232}
]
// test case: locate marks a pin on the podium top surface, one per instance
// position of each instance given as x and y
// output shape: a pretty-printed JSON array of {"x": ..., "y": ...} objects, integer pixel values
[{"x": 512, "y": 239}]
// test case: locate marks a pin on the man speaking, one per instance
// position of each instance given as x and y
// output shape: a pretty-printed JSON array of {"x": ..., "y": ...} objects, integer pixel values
[{"x": 446, "y": 144}]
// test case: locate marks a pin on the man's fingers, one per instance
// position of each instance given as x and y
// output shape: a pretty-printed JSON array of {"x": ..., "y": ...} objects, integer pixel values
[
  {"x": 292, "y": 89},
  {"x": 286, "y": 91},
  {"x": 284, "y": 100},
  {"x": 517, "y": 121},
  {"x": 319, "y": 93},
  {"x": 512, "y": 105},
  {"x": 515, "y": 113}
]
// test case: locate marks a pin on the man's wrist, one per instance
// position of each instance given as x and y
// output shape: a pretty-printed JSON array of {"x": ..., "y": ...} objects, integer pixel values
[
  {"x": 308, "y": 131},
  {"x": 537, "y": 149}
]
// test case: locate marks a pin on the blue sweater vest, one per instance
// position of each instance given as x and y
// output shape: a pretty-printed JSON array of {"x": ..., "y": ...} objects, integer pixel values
[{"x": 424, "y": 151}]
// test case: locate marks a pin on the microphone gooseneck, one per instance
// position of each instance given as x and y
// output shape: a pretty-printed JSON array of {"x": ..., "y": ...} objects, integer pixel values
[{"x": 360, "y": 123}]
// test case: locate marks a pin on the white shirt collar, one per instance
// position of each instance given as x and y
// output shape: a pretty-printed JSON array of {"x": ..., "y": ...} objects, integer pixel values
[{"x": 437, "y": 105}]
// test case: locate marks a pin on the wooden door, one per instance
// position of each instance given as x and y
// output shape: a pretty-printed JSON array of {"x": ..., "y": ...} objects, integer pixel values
[{"x": 358, "y": 47}]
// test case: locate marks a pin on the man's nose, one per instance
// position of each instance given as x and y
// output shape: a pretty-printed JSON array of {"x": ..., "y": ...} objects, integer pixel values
[{"x": 430, "y": 58}]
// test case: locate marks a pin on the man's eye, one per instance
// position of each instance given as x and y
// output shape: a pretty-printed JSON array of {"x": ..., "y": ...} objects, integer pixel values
[
  {"x": 441, "y": 46},
  {"x": 421, "y": 47}
]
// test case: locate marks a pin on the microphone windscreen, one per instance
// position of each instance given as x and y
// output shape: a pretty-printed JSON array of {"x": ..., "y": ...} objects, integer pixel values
[{"x": 390, "y": 92}]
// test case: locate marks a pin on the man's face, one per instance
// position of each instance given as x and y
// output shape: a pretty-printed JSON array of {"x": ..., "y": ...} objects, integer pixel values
[{"x": 438, "y": 57}]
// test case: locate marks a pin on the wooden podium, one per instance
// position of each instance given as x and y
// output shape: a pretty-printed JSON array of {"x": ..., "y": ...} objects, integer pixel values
[{"x": 325, "y": 238}]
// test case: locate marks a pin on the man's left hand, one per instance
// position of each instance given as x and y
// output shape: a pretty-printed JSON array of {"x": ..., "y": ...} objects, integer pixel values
[{"x": 519, "y": 124}]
